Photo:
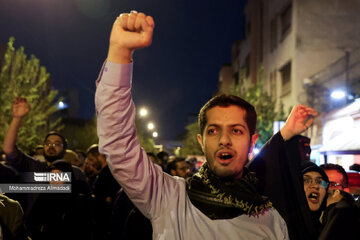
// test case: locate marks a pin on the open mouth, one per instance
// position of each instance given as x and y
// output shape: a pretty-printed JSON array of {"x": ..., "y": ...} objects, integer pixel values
[
  {"x": 314, "y": 197},
  {"x": 225, "y": 157}
]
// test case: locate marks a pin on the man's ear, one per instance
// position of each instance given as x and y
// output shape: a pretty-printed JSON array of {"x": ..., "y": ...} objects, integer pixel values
[
  {"x": 253, "y": 141},
  {"x": 199, "y": 138}
]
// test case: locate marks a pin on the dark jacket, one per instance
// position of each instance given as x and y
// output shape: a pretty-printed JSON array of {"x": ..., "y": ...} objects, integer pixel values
[{"x": 278, "y": 168}]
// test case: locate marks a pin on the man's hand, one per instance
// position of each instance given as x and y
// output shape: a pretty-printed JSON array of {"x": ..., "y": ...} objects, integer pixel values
[
  {"x": 130, "y": 32},
  {"x": 300, "y": 119},
  {"x": 20, "y": 107}
]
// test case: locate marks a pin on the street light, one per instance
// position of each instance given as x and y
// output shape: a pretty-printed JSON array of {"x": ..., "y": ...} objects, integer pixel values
[
  {"x": 150, "y": 126},
  {"x": 62, "y": 105},
  {"x": 337, "y": 94},
  {"x": 143, "y": 112},
  {"x": 155, "y": 134}
]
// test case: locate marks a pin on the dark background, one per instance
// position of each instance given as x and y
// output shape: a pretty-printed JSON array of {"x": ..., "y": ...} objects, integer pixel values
[{"x": 173, "y": 78}]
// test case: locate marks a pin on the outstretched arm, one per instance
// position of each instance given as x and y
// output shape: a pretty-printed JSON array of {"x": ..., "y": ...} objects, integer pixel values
[
  {"x": 129, "y": 32},
  {"x": 20, "y": 109},
  {"x": 300, "y": 119}
]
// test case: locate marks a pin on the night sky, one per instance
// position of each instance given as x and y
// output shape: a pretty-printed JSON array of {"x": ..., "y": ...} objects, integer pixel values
[{"x": 173, "y": 78}]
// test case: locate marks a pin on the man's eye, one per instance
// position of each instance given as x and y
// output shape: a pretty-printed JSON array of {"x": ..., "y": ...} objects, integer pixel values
[
  {"x": 237, "y": 131},
  {"x": 211, "y": 131}
]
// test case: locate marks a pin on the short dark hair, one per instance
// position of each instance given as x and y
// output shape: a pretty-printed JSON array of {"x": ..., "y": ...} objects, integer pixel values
[
  {"x": 355, "y": 167},
  {"x": 340, "y": 169},
  {"x": 64, "y": 141},
  {"x": 172, "y": 164},
  {"x": 226, "y": 100}
]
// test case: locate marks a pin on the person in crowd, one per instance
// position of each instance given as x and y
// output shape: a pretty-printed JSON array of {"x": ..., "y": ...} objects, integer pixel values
[
  {"x": 70, "y": 156},
  {"x": 341, "y": 218},
  {"x": 192, "y": 164},
  {"x": 81, "y": 157},
  {"x": 316, "y": 185},
  {"x": 54, "y": 148},
  {"x": 163, "y": 158},
  {"x": 279, "y": 170},
  {"x": 105, "y": 189},
  {"x": 153, "y": 157},
  {"x": 355, "y": 167},
  {"x": 179, "y": 167},
  {"x": 62, "y": 215},
  {"x": 11, "y": 219},
  {"x": 39, "y": 153},
  {"x": 91, "y": 168},
  {"x": 220, "y": 201},
  {"x": 337, "y": 176}
]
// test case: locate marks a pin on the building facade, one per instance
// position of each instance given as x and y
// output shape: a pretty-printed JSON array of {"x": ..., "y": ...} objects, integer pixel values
[{"x": 306, "y": 49}]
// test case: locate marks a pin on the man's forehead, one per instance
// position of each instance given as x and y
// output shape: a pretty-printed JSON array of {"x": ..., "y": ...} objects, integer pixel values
[
  {"x": 313, "y": 174},
  {"x": 231, "y": 114},
  {"x": 332, "y": 173},
  {"x": 54, "y": 138}
]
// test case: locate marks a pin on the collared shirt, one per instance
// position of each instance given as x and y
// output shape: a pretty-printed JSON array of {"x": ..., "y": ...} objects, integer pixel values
[{"x": 159, "y": 196}]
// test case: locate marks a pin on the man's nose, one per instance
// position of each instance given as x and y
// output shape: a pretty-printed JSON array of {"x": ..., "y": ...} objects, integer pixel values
[{"x": 225, "y": 139}]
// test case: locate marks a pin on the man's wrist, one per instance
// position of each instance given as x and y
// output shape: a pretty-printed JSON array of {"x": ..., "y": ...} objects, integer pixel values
[
  {"x": 17, "y": 118},
  {"x": 286, "y": 134},
  {"x": 119, "y": 55}
]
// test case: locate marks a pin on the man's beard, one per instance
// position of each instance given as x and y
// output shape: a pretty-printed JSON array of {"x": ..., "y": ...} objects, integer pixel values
[{"x": 54, "y": 157}]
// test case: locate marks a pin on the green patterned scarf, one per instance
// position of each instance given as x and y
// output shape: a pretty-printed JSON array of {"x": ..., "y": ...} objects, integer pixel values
[{"x": 220, "y": 198}]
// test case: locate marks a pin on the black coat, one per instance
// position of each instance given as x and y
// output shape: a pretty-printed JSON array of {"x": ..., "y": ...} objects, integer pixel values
[{"x": 278, "y": 168}]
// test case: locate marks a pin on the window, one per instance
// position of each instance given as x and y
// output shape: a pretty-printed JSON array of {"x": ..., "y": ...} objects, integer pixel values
[
  {"x": 286, "y": 21},
  {"x": 273, "y": 34},
  {"x": 285, "y": 72},
  {"x": 272, "y": 89},
  {"x": 236, "y": 78}
]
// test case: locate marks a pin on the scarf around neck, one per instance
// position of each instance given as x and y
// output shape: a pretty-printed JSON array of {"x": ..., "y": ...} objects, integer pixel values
[{"x": 224, "y": 198}]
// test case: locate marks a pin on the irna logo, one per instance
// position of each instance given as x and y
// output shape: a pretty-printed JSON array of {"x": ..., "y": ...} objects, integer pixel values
[{"x": 52, "y": 177}]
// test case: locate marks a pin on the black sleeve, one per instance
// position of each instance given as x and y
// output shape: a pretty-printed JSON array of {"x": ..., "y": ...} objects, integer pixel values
[
  {"x": 24, "y": 163},
  {"x": 277, "y": 167}
]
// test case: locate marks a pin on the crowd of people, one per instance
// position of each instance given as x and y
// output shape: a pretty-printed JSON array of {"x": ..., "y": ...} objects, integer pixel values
[
  {"x": 96, "y": 208},
  {"x": 119, "y": 191}
]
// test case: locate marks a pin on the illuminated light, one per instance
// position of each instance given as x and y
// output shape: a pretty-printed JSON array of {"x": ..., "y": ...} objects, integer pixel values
[
  {"x": 338, "y": 94},
  {"x": 143, "y": 112},
  {"x": 62, "y": 105},
  {"x": 256, "y": 151},
  {"x": 155, "y": 134},
  {"x": 150, "y": 126}
]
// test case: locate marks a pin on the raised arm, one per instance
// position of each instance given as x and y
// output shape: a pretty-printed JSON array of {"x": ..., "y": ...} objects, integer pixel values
[
  {"x": 20, "y": 109},
  {"x": 142, "y": 181},
  {"x": 300, "y": 119}
]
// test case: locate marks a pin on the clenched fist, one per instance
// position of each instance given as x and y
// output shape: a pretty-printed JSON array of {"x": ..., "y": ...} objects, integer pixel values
[{"x": 130, "y": 31}]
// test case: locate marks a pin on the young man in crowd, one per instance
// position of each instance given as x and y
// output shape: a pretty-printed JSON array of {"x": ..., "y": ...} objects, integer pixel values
[
  {"x": 220, "y": 202},
  {"x": 55, "y": 146},
  {"x": 179, "y": 167},
  {"x": 105, "y": 189},
  {"x": 337, "y": 176}
]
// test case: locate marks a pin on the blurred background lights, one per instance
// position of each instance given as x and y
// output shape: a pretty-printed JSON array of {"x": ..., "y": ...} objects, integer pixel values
[
  {"x": 62, "y": 105},
  {"x": 337, "y": 94},
  {"x": 155, "y": 134},
  {"x": 143, "y": 112},
  {"x": 150, "y": 126},
  {"x": 256, "y": 151}
]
